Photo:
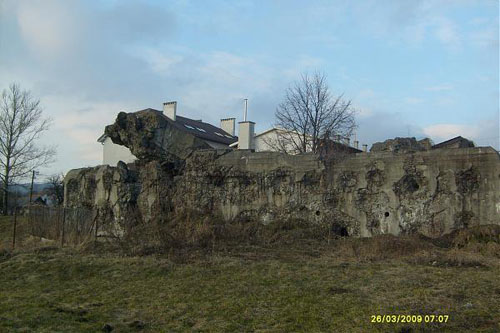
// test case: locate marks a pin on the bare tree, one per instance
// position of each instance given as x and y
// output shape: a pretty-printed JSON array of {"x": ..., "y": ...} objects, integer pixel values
[
  {"x": 57, "y": 187},
  {"x": 310, "y": 114},
  {"x": 21, "y": 125}
]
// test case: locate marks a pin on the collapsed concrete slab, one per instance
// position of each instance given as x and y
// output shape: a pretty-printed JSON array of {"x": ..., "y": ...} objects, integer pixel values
[{"x": 151, "y": 136}]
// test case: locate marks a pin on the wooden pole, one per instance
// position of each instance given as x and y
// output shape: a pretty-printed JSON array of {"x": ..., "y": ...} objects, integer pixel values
[
  {"x": 14, "y": 231},
  {"x": 95, "y": 237},
  {"x": 62, "y": 229},
  {"x": 31, "y": 187}
]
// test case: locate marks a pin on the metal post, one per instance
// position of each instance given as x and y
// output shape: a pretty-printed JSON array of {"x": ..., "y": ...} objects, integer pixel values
[
  {"x": 14, "y": 231},
  {"x": 31, "y": 188},
  {"x": 62, "y": 230},
  {"x": 246, "y": 110}
]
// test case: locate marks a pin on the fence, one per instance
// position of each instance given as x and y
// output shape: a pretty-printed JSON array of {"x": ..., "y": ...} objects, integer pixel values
[{"x": 63, "y": 226}]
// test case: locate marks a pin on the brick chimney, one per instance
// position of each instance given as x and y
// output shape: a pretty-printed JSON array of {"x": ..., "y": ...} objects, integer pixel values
[
  {"x": 170, "y": 110},
  {"x": 228, "y": 125}
]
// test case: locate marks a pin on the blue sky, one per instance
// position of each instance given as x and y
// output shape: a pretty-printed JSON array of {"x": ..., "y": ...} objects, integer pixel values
[{"x": 424, "y": 68}]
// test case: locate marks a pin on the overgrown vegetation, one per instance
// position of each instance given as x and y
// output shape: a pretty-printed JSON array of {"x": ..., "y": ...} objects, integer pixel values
[{"x": 246, "y": 277}]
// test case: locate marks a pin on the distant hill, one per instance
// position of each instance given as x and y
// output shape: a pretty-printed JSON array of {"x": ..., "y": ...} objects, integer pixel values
[{"x": 25, "y": 188}]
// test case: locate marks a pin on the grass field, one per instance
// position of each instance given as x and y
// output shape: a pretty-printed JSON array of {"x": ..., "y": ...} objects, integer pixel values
[{"x": 306, "y": 287}]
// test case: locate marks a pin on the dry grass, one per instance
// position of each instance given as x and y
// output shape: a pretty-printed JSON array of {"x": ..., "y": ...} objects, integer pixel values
[{"x": 281, "y": 278}]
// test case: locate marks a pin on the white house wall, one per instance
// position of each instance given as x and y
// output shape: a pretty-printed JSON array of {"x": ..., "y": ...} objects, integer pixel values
[
  {"x": 262, "y": 142},
  {"x": 268, "y": 141},
  {"x": 112, "y": 153}
]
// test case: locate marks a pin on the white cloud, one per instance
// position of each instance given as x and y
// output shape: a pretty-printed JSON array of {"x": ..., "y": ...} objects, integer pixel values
[
  {"x": 446, "y": 31},
  {"x": 479, "y": 21},
  {"x": 448, "y": 131},
  {"x": 440, "y": 87},
  {"x": 484, "y": 133},
  {"x": 76, "y": 127},
  {"x": 304, "y": 63},
  {"x": 363, "y": 112},
  {"x": 159, "y": 62},
  {"x": 485, "y": 37},
  {"x": 48, "y": 26},
  {"x": 366, "y": 94},
  {"x": 446, "y": 101},
  {"x": 413, "y": 100}
]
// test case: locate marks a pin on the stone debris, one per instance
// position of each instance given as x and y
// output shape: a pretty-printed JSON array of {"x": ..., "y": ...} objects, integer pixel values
[{"x": 402, "y": 145}]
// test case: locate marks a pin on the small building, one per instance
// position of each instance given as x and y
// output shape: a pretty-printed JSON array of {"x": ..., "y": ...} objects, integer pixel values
[
  {"x": 216, "y": 137},
  {"x": 457, "y": 142},
  {"x": 277, "y": 139}
]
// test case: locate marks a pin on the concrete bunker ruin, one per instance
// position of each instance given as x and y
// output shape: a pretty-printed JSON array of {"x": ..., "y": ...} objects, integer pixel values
[{"x": 399, "y": 188}]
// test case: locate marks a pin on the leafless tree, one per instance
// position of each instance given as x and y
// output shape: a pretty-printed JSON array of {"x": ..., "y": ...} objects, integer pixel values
[
  {"x": 311, "y": 114},
  {"x": 57, "y": 187},
  {"x": 21, "y": 125}
]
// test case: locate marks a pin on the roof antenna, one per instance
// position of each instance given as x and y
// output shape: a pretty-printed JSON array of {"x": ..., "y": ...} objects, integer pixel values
[{"x": 246, "y": 109}]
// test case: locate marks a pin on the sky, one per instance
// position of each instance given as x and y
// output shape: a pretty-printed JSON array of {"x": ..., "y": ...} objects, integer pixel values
[{"x": 422, "y": 68}]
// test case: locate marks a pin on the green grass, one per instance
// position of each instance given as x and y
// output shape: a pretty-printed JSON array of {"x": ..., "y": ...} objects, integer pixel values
[
  {"x": 61, "y": 291},
  {"x": 310, "y": 287}
]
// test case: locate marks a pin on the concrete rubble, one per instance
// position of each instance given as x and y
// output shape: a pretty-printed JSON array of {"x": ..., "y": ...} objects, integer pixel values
[{"x": 400, "y": 187}]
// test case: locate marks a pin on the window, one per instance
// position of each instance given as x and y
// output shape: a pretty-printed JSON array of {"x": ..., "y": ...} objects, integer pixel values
[
  {"x": 189, "y": 126},
  {"x": 217, "y": 133},
  {"x": 201, "y": 129}
]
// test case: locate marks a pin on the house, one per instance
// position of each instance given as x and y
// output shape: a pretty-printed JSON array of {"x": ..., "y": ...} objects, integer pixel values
[
  {"x": 215, "y": 137},
  {"x": 277, "y": 139},
  {"x": 222, "y": 137},
  {"x": 456, "y": 142}
]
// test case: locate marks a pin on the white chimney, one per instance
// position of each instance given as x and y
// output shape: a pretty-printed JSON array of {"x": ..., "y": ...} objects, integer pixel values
[
  {"x": 170, "y": 110},
  {"x": 246, "y": 135},
  {"x": 347, "y": 141},
  {"x": 356, "y": 144},
  {"x": 365, "y": 148},
  {"x": 228, "y": 125}
]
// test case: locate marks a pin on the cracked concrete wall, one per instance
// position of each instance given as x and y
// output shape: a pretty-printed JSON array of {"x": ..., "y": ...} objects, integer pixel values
[{"x": 432, "y": 192}]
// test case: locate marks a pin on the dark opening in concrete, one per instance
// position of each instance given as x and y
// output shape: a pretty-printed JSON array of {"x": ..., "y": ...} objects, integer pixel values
[
  {"x": 318, "y": 212},
  {"x": 338, "y": 230},
  {"x": 386, "y": 214},
  {"x": 411, "y": 184}
]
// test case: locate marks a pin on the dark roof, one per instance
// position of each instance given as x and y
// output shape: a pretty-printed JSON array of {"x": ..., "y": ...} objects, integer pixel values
[
  {"x": 204, "y": 130},
  {"x": 330, "y": 146},
  {"x": 464, "y": 143},
  {"x": 200, "y": 129}
]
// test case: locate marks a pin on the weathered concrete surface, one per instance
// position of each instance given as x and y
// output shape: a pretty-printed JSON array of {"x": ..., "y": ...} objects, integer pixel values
[
  {"x": 112, "y": 191},
  {"x": 402, "y": 145},
  {"x": 432, "y": 192},
  {"x": 151, "y": 136}
]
